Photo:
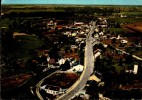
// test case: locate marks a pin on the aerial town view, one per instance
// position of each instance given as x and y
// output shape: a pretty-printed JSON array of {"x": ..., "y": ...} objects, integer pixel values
[{"x": 71, "y": 51}]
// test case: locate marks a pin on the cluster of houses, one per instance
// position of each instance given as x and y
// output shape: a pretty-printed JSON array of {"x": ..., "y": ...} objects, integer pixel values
[{"x": 79, "y": 30}]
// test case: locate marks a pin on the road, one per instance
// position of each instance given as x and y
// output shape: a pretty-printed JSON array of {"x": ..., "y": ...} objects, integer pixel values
[
  {"x": 88, "y": 69},
  {"x": 38, "y": 85},
  {"x": 134, "y": 56}
]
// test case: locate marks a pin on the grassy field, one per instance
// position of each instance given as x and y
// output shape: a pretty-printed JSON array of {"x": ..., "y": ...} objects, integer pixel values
[
  {"x": 131, "y": 13},
  {"x": 31, "y": 10},
  {"x": 116, "y": 30},
  {"x": 6, "y": 22},
  {"x": 25, "y": 47},
  {"x": 125, "y": 20}
]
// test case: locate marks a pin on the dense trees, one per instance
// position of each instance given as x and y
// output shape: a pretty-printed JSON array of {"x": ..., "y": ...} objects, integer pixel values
[
  {"x": 53, "y": 53},
  {"x": 65, "y": 66},
  {"x": 45, "y": 13},
  {"x": 93, "y": 90}
]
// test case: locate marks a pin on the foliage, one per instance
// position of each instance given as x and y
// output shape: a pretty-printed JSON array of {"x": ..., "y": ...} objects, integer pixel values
[
  {"x": 23, "y": 47},
  {"x": 124, "y": 20}
]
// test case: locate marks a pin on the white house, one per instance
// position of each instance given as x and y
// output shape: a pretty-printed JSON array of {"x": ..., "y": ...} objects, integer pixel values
[
  {"x": 97, "y": 54},
  {"x": 135, "y": 69},
  {"x": 118, "y": 37},
  {"x": 76, "y": 69},
  {"x": 51, "y": 91},
  {"x": 61, "y": 61},
  {"x": 78, "y": 23},
  {"x": 123, "y": 16},
  {"x": 124, "y": 41},
  {"x": 101, "y": 33}
]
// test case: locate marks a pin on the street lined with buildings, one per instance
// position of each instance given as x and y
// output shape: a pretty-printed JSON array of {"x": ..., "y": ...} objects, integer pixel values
[
  {"x": 89, "y": 60},
  {"x": 88, "y": 69}
]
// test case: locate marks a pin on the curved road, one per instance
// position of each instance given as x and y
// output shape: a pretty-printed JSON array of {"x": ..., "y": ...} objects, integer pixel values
[
  {"x": 38, "y": 85},
  {"x": 134, "y": 56},
  {"x": 88, "y": 69},
  {"x": 117, "y": 49}
]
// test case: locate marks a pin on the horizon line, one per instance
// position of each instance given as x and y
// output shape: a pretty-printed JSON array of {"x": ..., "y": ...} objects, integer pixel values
[{"x": 75, "y": 4}]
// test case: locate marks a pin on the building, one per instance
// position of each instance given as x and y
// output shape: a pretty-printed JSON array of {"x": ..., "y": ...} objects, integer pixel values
[
  {"x": 54, "y": 90},
  {"x": 135, "y": 69}
]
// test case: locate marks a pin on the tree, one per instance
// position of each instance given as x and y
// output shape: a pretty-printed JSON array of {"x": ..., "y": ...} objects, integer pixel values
[
  {"x": 81, "y": 56},
  {"x": 100, "y": 46},
  {"x": 117, "y": 25},
  {"x": 9, "y": 37},
  {"x": 129, "y": 59},
  {"x": 53, "y": 53},
  {"x": 113, "y": 41},
  {"x": 93, "y": 90},
  {"x": 120, "y": 62},
  {"x": 66, "y": 65}
]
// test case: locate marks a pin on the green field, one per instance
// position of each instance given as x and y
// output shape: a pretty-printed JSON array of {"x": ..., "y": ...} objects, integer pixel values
[
  {"x": 25, "y": 47},
  {"x": 125, "y": 20}
]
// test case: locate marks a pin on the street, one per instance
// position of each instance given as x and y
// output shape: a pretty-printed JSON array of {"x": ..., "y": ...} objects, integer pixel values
[{"x": 88, "y": 69}]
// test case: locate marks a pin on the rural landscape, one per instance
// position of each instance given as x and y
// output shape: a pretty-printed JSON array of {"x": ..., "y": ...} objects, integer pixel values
[{"x": 71, "y": 52}]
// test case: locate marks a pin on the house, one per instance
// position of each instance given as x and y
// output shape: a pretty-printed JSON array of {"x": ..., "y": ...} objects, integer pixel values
[
  {"x": 67, "y": 33},
  {"x": 124, "y": 41},
  {"x": 97, "y": 54},
  {"x": 93, "y": 77},
  {"x": 74, "y": 46},
  {"x": 101, "y": 33},
  {"x": 96, "y": 30},
  {"x": 78, "y": 23},
  {"x": 76, "y": 69},
  {"x": 73, "y": 34},
  {"x": 82, "y": 32},
  {"x": 50, "y": 23},
  {"x": 123, "y": 16},
  {"x": 118, "y": 37},
  {"x": 135, "y": 71},
  {"x": 101, "y": 97},
  {"x": 45, "y": 52},
  {"x": 102, "y": 22},
  {"x": 54, "y": 90},
  {"x": 59, "y": 27},
  {"x": 61, "y": 61},
  {"x": 51, "y": 61},
  {"x": 19, "y": 34},
  {"x": 103, "y": 37}
]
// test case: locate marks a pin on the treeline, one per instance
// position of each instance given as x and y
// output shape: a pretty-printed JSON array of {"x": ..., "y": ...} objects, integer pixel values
[
  {"x": 92, "y": 10},
  {"x": 63, "y": 11},
  {"x": 60, "y": 15}
]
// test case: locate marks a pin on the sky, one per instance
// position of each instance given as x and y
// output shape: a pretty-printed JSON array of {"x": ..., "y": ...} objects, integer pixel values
[{"x": 84, "y": 2}]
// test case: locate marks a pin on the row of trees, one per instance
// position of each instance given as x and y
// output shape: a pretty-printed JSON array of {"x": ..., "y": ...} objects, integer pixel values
[{"x": 54, "y": 14}]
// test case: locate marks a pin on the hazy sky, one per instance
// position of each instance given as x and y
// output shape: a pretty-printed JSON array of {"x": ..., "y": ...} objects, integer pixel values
[{"x": 102, "y": 2}]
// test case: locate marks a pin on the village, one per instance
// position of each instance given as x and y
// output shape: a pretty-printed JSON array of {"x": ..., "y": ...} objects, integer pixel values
[{"x": 45, "y": 45}]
